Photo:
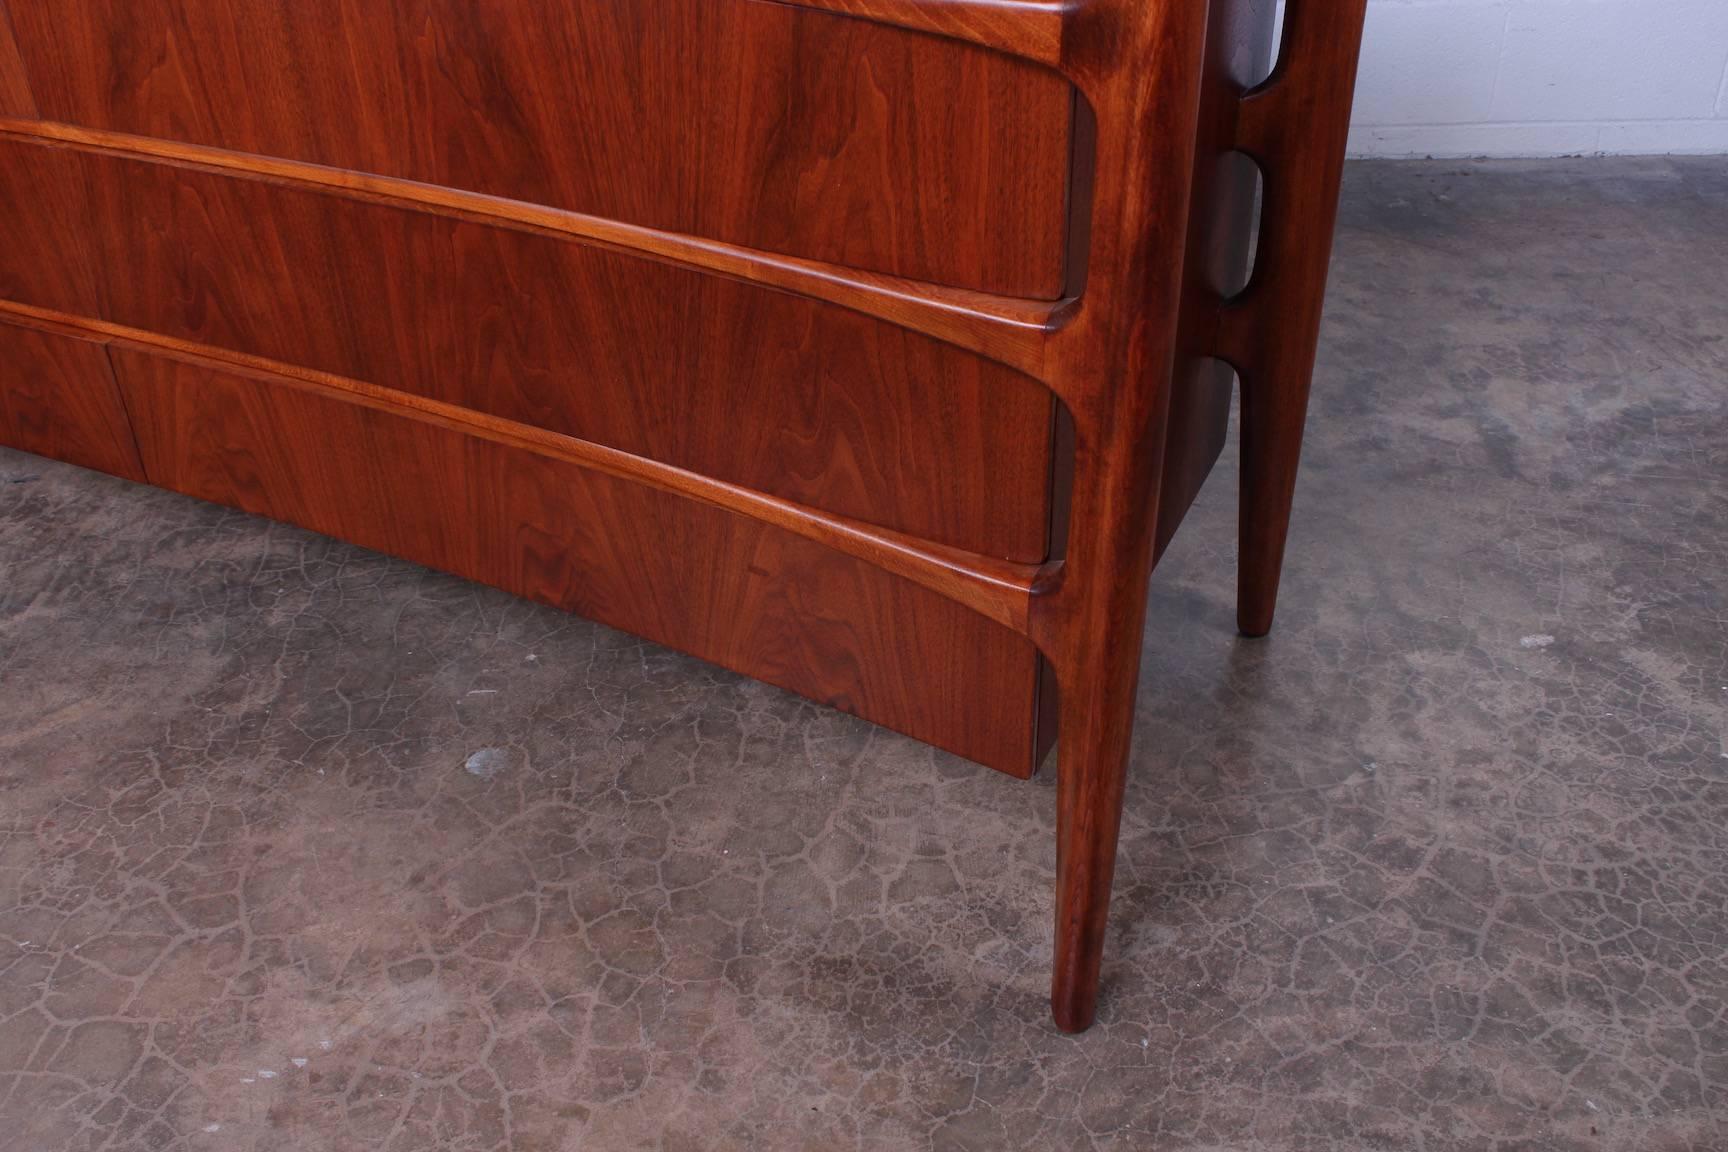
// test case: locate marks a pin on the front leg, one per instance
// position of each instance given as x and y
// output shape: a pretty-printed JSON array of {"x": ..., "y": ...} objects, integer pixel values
[{"x": 1097, "y": 726}]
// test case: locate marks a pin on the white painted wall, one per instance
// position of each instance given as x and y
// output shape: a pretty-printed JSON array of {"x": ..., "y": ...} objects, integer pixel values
[{"x": 1543, "y": 77}]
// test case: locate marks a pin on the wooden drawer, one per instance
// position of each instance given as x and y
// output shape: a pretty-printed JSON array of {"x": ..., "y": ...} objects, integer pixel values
[
  {"x": 799, "y": 398},
  {"x": 57, "y": 398},
  {"x": 729, "y": 589},
  {"x": 786, "y": 130}
]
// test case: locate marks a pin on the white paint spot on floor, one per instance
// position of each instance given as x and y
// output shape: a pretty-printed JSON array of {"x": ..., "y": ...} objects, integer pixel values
[
  {"x": 266, "y": 1074},
  {"x": 1537, "y": 641},
  {"x": 488, "y": 762},
  {"x": 212, "y": 1127},
  {"x": 324, "y": 1044},
  {"x": 298, "y": 1061}
]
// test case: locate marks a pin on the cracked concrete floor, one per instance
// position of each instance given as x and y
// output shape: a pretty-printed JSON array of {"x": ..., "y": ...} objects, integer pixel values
[{"x": 302, "y": 848}]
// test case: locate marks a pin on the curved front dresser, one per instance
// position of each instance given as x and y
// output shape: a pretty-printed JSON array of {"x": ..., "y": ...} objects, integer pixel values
[{"x": 873, "y": 348}]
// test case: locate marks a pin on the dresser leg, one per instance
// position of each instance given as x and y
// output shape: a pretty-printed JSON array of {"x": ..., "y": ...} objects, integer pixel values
[
  {"x": 1297, "y": 127},
  {"x": 1274, "y": 412},
  {"x": 1092, "y": 765}
]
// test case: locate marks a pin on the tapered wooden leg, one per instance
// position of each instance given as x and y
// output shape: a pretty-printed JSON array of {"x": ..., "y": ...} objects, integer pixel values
[
  {"x": 1096, "y": 729},
  {"x": 1296, "y": 127},
  {"x": 1274, "y": 413}
]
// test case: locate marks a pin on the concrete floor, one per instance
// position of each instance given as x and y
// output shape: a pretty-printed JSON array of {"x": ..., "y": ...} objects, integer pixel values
[{"x": 302, "y": 848}]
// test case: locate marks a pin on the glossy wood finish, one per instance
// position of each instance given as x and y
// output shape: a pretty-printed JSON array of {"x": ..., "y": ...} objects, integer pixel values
[
  {"x": 999, "y": 591},
  {"x": 1029, "y": 29},
  {"x": 1008, "y": 330},
  {"x": 868, "y": 424},
  {"x": 754, "y": 123},
  {"x": 1272, "y": 331},
  {"x": 1218, "y": 259},
  {"x": 15, "y": 96},
  {"x": 1090, "y": 628},
  {"x": 233, "y": 381},
  {"x": 566, "y": 535},
  {"x": 58, "y": 398}
]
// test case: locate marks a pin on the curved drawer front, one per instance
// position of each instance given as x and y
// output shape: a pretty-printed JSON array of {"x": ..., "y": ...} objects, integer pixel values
[
  {"x": 765, "y": 603},
  {"x": 791, "y": 131},
  {"x": 804, "y": 400}
]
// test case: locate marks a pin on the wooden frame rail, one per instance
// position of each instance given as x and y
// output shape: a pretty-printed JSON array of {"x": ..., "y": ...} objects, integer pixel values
[{"x": 1139, "y": 66}]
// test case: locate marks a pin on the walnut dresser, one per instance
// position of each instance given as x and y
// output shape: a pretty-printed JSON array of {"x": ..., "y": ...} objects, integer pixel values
[{"x": 872, "y": 348}]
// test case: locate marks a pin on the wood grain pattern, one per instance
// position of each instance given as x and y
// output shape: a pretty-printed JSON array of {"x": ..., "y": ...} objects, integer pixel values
[
  {"x": 788, "y": 131},
  {"x": 999, "y": 591},
  {"x": 383, "y": 361},
  {"x": 58, "y": 398},
  {"x": 46, "y": 256},
  {"x": 770, "y": 605},
  {"x": 863, "y": 419},
  {"x": 15, "y": 97},
  {"x": 1030, "y": 29},
  {"x": 1004, "y": 329},
  {"x": 1271, "y": 333}
]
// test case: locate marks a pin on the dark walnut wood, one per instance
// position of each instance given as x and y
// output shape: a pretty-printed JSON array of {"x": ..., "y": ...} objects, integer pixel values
[
  {"x": 599, "y": 545},
  {"x": 868, "y": 423},
  {"x": 757, "y": 123},
  {"x": 58, "y": 398},
  {"x": 874, "y": 348}
]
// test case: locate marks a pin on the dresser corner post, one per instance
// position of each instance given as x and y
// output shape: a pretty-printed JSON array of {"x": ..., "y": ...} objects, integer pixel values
[
  {"x": 1097, "y": 730},
  {"x": 1139, "y": 66}
]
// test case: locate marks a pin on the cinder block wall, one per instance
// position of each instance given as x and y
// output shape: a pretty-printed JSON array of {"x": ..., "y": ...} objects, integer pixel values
[{"x": 1543, "y": 77}]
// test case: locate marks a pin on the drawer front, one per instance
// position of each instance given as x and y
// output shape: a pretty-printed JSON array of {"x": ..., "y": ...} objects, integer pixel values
[
  {"x": 730, "y": 590},
  {"x": 15, "y": 97},
  {"x": 756, "y": 123},
  {"x": 801, "y": 399},
  {"x": 58, "y": 398}
]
